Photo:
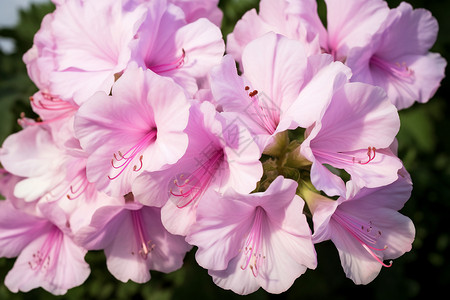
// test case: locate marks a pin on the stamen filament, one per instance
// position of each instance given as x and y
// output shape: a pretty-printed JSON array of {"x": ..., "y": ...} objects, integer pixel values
[
  {"x": 265, "y": 117},
  {"x": 129, "y": 156},
  {"x": 144, "y": 244},
  {"x": 253, "y": 243},
  {"x": 362, "y": 233},
  {"x": 178, "y": 63},
  {"x": 42, "y": 259},
  {"x": 345, "y": 158},
  {"x": 197, "y": 182}
]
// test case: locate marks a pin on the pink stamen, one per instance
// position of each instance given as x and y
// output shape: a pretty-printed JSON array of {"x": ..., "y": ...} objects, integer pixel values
[
  {"x": 145, "y": 245},
  {"x": 371, "y": 152},
  {"x": 267, "y": 117},
  {"x": 178, "y": 63},
  {"x": 253, "y": 243},
  {"x": 78, "y": 186},
  {"x": 41, "y": 259},
  {"x": 344, "y": 158},
  {"x": 365, "y": 233},
  {"x": 49, "y": 102},
  {"x": 124, "y": 160},
  {"x": 192, "y": 186},
  {"x": 394, "y": 69}
]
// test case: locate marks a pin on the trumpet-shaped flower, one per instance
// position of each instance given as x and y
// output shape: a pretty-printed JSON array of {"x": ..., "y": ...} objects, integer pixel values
[
  {"x": 297, "y": 20},
  {"x": 47, "y": 255},
  {"x": 366, "y": 227},
  {"x": 254, "y": 240},
  {"x": 34, "y": 155},
  {"x": 139, "y": 127},
  {"x": 281, "y": 87},
  {"x": 134, "y": 240},
  {"x": 398, "y": 58},
  {"x": 91, "y": 44},
  {"x": 220, "y": 154},
  {"x": 353, "y": 134},
  {"x": 170, "y": 46}
]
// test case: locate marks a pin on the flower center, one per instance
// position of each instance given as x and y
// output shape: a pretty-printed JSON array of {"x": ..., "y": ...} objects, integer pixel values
[
  {"x": 176, "y": 64},
  {"x": 188, "y": 188},
  {"x": 366, "y": 233},
  {"x": 122, "y": 160},
  {"x": 48, "y": 254},
  {"x": 263, "y": 111},
  {"x": 251, "y": 249},
  {"x": 145, "y": 245},
  {"x": 398, "y": 70}
]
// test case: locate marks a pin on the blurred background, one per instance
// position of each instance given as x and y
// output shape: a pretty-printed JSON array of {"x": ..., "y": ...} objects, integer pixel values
[{"x": 424, "y": 146}]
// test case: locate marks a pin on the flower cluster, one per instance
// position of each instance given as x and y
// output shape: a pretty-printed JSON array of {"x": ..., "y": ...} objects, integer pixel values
[{"x": 151, "y": 141}]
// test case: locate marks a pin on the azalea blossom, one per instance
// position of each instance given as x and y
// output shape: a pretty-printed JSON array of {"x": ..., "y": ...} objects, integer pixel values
[
  {"x": 139, "y": 127},
  {"x": 354, "y": 134},
  {"x": 385, "y": 47},
  {"x": 365, "y": 226},
  {"x": 33, "y": 154},
  {"x": 398, "y": 58},
  {"x": 134, "y": 240},
  {"x": 281, "y": 87},
  {"x": 254, "y": 240},
  {"x": 170, "y": 46},
  {"x": 297, "y": 20},
  {"x": 220, "y": 155},
  {"x": 47, "y": 254},
  {"x": 87, "y": 50}
]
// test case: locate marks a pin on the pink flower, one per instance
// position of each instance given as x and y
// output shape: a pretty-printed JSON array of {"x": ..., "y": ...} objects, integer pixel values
[
  {"x": 139, "y": 127},
  {"x": 220, "y": 154},
  {"x": 352, "y": 23},
  {"x": 296, "y": 20},
  {"x": 33, "y": 154},
  {"x": 134, "y": 241},
  {"x": 398, "y": 57},
  {"x": 365, "y": 227},
  {"x": 170, "y": 46},
  {"x": 353, "y": 134},
  {"x": 278, "y": 82},
  {"x": 40, "y": 64},
  {"x": 47, "y": 255},
  {"x": 255, "y": 240},
  {"x": 91, "y": 44}
]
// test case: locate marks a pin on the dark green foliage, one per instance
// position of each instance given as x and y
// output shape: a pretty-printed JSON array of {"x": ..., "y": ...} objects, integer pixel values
[{"x": 424, "y": 146}]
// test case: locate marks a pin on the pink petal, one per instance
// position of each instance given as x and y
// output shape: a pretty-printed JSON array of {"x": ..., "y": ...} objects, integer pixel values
[
  {"x": 352, "y": 23},
  {"x": 325, "y": 77},
  {"x": 18, "y": 229},
  {"x": 69, "y": 269}
]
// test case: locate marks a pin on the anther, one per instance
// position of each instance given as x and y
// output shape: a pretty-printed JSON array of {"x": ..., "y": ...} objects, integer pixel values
[{"x": 254, "y": 93}]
